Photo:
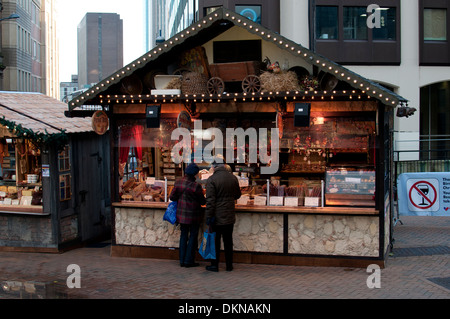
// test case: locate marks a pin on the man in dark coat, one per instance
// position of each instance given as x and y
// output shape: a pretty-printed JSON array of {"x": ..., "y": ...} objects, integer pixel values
[
  {"x": 222, "y": 190},
  {"x": 189, "y": 195}
]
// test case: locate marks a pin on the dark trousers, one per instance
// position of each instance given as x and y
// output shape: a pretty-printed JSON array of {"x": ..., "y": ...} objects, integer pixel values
[
  {"x": 225, "y": 232},
  {"x": 188, "y": 243}
]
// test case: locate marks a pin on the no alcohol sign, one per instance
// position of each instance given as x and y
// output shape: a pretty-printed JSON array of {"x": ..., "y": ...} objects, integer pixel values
[{"x": 423, "y": 195}]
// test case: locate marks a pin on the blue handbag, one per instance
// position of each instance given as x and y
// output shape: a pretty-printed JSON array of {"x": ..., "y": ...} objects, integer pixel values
[
  {"x": 208, "y": 246},
  {"x": 171, "y": 213}
]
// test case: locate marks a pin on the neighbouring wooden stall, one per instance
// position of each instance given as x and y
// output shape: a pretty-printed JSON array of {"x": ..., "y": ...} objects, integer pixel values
[
  {"x": 329, "y": 200},
  {"x": 54, "y": 185}
]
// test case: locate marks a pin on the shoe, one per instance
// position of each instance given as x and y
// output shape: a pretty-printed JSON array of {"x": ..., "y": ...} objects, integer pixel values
[
  {"x": 229, "y": 268},
  {"x": 191, "y": 265},
  {"x": 212, "y": 268},
  {"x": 182, "y": 265}
]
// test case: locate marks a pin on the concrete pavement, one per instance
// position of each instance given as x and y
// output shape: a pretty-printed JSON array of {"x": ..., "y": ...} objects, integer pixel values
[{"x": 419, "y": 268}]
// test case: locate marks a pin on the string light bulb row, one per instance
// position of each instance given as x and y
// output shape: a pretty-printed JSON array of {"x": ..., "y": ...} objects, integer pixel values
[{"x": 236, "y": 97}]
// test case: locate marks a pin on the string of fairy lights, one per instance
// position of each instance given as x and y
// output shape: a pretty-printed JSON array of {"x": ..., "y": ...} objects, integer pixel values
[
  {"x": 236, "y": 97},
  {"x": 363, "y": 89}
]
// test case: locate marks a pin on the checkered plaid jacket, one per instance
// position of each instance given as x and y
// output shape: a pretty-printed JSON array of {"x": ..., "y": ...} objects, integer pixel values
[{"x": 189, "y": 195}]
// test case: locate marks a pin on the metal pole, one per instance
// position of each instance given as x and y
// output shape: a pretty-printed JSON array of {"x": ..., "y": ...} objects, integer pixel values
[{"x": 165, "y": 189}]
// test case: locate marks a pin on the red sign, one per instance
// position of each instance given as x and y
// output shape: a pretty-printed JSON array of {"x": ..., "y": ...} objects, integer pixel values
[{"x": 427, "y": 195}]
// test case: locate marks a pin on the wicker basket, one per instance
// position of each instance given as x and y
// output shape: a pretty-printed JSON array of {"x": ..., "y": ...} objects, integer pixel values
[{"x": 194, "y": 83}]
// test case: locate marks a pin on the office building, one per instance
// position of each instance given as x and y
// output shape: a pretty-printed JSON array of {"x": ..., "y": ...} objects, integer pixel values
[
  {"x": 69, "y": 89},
  {"x": 165, "y": 18},
  {"x": 100, "y": 47},
  {"x": 30, "y": 47}
]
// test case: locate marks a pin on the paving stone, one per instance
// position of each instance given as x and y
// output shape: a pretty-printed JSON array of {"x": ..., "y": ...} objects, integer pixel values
[{"x": 417, "y": 275}]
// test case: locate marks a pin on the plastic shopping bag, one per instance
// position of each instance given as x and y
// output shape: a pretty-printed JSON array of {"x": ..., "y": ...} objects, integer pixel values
[
  {"x": 208, "y": 246},
  {"x": 171, "y": 213}
]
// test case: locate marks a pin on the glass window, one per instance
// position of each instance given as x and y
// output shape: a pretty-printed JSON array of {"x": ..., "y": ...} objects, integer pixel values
[
  {"x": 355, "y": 23},
  {"x": 65, "y": 190},
  {"x": 64, "y": 160},
  {"x": 326, "y": 23},
  {"x": 388, "y": 24},
  {"x": 435, "y": 120},
  {"x": 435, "y": 24},
  {"x": 251, "y": 12},
  {"x": 64, "y": 187},
  {"x": 131, "y": 167}
]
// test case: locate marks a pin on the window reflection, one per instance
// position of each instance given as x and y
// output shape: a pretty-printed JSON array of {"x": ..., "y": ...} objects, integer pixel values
[
  {"x": 388, "y": 30},
  {"x": 435, "y": 24},
  {"x": 326, "y": 23},
  {"x": 355, "y": 26}
]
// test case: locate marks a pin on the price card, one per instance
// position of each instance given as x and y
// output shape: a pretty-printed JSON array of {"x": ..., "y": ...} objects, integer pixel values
[
  {"x": 312, "y": 201},
  {"x": 291, "y": 201},
  {"x": 243, "y": 200},
  {"x": 276, "y": 201},
  {"x": 260, "y": 201}
]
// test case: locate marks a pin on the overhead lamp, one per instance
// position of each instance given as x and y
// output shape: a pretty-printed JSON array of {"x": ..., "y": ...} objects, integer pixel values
[{"x": 405, "y": 111}]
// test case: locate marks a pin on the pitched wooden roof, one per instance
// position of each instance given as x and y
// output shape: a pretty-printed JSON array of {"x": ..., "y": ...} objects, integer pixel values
[
  {"x": 107, "y": 92},
  {"x": 40, "y": 113}
]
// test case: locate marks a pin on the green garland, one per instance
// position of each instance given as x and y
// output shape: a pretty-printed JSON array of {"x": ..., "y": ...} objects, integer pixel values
[{"x": 39, "y": 139}]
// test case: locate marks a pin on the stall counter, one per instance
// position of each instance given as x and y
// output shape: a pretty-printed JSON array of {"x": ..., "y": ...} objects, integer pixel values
[
  {"x": 274, "y": 235},
  {"x": 22, "y": 210}
]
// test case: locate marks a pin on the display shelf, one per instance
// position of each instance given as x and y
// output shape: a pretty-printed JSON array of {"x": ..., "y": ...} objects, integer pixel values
[
  {"x": 350, "y": 186},
  {"x": 168, "y": 169}
]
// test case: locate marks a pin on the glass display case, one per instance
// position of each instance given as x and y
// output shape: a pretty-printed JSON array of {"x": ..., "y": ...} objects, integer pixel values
[
  {"x": 350, "y": 186},
  {"x": 293, "y": 192}
]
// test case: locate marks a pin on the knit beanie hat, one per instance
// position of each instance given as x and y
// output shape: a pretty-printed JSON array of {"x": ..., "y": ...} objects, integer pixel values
[{"x": 192, "y": 169}]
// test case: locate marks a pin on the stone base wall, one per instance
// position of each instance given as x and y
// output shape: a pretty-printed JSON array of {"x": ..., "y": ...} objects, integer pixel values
[
  {"x": 333, "y": 235},
  {"x": 258, "y": 232},
  {"x": 261, "y": 232},
  {"x": 26, "y": 231},
  {"x": 144, "y": 227}
]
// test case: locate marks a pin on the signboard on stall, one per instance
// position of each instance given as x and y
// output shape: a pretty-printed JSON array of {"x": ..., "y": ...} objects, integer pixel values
[
  {"x": 100, "y": 122},
  {"x": 424, "y": 194}
]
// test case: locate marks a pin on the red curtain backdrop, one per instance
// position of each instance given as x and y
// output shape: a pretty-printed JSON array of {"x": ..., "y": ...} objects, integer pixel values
[
  {"x": 130, "y": 136},
  {"x": 138, "y": 131}
]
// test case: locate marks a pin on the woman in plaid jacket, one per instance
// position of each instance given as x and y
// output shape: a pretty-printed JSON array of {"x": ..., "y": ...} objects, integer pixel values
[{"x": 189, "y": 195}]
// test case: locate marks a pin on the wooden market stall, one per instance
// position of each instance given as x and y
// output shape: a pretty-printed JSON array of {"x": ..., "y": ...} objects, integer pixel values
[
  {"x": 328, "y": 202},
  {"x": 54, "y": 186}
]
